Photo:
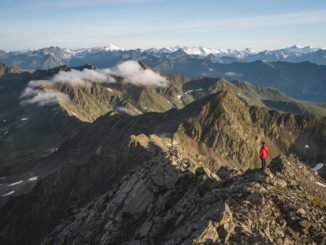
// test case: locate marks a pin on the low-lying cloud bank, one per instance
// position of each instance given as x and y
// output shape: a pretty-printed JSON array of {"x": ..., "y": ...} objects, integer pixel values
[
  {"x": 34, "y": 93},
  {"x": 129, "y": 71}
]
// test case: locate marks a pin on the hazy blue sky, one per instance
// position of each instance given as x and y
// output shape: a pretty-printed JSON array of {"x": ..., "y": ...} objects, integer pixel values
[{"x": 238, "y": 24}]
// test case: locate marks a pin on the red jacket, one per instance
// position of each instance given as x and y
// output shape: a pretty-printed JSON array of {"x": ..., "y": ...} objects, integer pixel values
[{"x": 263, "y": 153}]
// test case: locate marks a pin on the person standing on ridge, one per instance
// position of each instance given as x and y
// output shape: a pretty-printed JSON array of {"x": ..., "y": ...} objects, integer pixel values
[{"x": 263, "y": 154}]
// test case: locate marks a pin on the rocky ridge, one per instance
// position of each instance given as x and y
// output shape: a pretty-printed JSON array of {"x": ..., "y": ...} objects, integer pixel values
[
  {"x": 165, "y": 163},
  {"x": 172, "y": 200}
]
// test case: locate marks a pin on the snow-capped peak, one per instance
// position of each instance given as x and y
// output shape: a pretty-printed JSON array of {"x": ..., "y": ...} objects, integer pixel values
[
  {"x": 109, "y": 47},
  {"x": 97, "y": 49}
]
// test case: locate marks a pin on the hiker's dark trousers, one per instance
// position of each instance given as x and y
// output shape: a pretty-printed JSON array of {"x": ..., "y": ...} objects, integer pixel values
[{"x": 263, "y": 163}]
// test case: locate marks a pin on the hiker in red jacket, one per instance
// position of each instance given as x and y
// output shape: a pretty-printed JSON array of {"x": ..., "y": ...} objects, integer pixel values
[{"x": 263, "y": 154}]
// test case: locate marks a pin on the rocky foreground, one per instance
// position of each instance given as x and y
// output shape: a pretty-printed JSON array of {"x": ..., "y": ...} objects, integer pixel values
[{"x": 169, "y": 200}]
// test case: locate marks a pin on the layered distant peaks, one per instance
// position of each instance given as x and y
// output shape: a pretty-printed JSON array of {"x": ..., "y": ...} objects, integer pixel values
[
  {"x": 190, "y": 50},
  {"x": 108, "y": 55},
  {"x": 295, "y": 50},
  {"x": 201, "y": 51}
]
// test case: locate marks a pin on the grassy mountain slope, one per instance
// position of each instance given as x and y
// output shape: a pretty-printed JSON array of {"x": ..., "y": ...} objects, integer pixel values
[
  {"x": 88, "y": 103},
  {"x": 260, "y": 96}
]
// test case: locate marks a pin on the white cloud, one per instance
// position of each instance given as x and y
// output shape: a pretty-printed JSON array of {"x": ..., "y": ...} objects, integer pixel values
[
  {"x": 42, "y": 97},
  {"x": 38, "y": 83},
  {"x": 232, "y": 74},
  {"x": 130, "y": 72},
  {"x": 81, "y": 78},
  {"x": 35, "y": 94},
  {"x": 133, "y": 73}
]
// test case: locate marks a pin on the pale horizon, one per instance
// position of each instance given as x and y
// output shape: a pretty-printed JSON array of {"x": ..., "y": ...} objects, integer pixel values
[{"x": 131, "y": 24}]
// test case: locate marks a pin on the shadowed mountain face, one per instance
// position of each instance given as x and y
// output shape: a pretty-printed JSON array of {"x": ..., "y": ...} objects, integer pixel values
[
  {"x": 300, "y": 80},
  {"x": 156, "y": 178},
  {"x": 29, "y": 132}
]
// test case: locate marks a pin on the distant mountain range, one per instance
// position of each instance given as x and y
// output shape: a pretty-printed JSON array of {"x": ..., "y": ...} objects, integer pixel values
[
  {"x": 245, "y": 55},
  {"x": 54, "y": 56}
]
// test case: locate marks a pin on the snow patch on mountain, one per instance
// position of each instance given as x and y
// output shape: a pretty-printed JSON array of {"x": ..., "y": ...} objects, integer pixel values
[
  {"x": 8, "y": 194},
  {"x": 33, "y": 178},
  {"x": 318, "y": 166},
  {"x": 16, "y": 183}
]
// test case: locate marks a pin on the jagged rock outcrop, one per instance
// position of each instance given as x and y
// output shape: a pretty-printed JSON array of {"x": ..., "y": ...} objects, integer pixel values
[{"x": 165, "y": 202}]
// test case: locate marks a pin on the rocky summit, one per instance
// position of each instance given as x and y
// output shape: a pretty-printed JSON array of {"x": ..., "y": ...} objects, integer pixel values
[
  {"x": 171, "y": 200},
  {"x": 185, "y": 176}
]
